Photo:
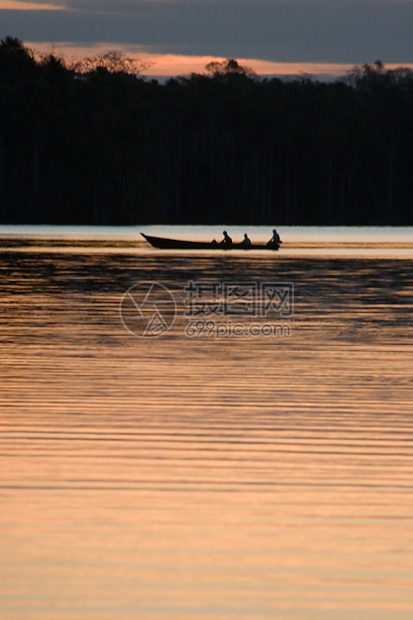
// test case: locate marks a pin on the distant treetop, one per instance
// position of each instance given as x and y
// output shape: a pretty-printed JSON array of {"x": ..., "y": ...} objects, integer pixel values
[
  {"x": 113, "y": 62},
  {"x": 226, "y": 67}
]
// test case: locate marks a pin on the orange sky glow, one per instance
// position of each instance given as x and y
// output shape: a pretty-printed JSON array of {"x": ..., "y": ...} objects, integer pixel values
[
  {"x": 169, "y": 64},
  {"x": 173, "y": 65},
  {"x": 15, "y": 5}
]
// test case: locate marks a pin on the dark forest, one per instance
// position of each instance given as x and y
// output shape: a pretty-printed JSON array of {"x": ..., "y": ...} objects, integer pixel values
[{"x": 96, "y": 143}]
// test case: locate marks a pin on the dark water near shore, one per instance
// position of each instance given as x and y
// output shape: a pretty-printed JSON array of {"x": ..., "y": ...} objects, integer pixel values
[{"x": 217, "y": 476}]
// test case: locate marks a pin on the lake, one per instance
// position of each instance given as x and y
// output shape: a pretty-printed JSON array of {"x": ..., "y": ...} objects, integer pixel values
[{"x": 206, "y": 435}]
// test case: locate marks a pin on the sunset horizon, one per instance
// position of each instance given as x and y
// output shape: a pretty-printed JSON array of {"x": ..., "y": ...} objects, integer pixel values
[
  {"x": 175, "y": 65},
  {"x": 180, "y": 37}
]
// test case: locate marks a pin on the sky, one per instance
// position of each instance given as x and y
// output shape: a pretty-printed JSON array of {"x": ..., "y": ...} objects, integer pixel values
[{"x": 181, "y": 36}]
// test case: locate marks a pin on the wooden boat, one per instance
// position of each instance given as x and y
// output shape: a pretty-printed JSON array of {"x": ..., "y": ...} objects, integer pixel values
[{"x": 178, "y": 244}]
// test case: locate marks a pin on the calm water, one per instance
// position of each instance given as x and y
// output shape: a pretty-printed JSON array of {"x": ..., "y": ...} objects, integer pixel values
[{"x": 173, "y": 477}]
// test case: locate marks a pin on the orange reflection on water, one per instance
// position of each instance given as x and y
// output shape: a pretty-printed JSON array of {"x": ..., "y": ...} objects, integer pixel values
[{"x": 182, "y": 477}]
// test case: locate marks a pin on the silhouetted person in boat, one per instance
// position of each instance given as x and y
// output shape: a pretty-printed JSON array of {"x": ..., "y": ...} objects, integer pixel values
[
  {"x": 246, "y": 242},
  {"x": 227, "y": 241},
  {"x": 275, "y": 239}
]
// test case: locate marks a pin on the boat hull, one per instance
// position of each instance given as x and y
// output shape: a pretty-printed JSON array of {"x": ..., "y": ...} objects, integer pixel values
[{"x": 179, "y": 244}]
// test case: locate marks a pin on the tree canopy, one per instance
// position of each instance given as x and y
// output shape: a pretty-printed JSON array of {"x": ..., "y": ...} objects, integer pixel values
[
  {"x": 227, "y": 67},
  {"x": 96, "y": 143}
]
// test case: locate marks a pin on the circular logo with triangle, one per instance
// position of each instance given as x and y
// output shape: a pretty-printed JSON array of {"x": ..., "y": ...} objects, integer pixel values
[{"x": 148, "y": 309}]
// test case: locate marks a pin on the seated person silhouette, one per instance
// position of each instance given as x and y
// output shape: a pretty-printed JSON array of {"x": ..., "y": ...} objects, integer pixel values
[
  {"x": 246, "y": 242},
  {"x": 227, "y": 241},
  {"x": 275, "y": 239}
]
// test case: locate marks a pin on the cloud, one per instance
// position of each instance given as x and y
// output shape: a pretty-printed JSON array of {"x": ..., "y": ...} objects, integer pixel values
[
  {"x": 339, "y": 31},
  {"x": 24, "y": 5}
]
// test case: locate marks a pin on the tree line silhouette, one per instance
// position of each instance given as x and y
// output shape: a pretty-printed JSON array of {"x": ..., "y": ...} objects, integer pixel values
[{"x": 93, "y": 142}]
